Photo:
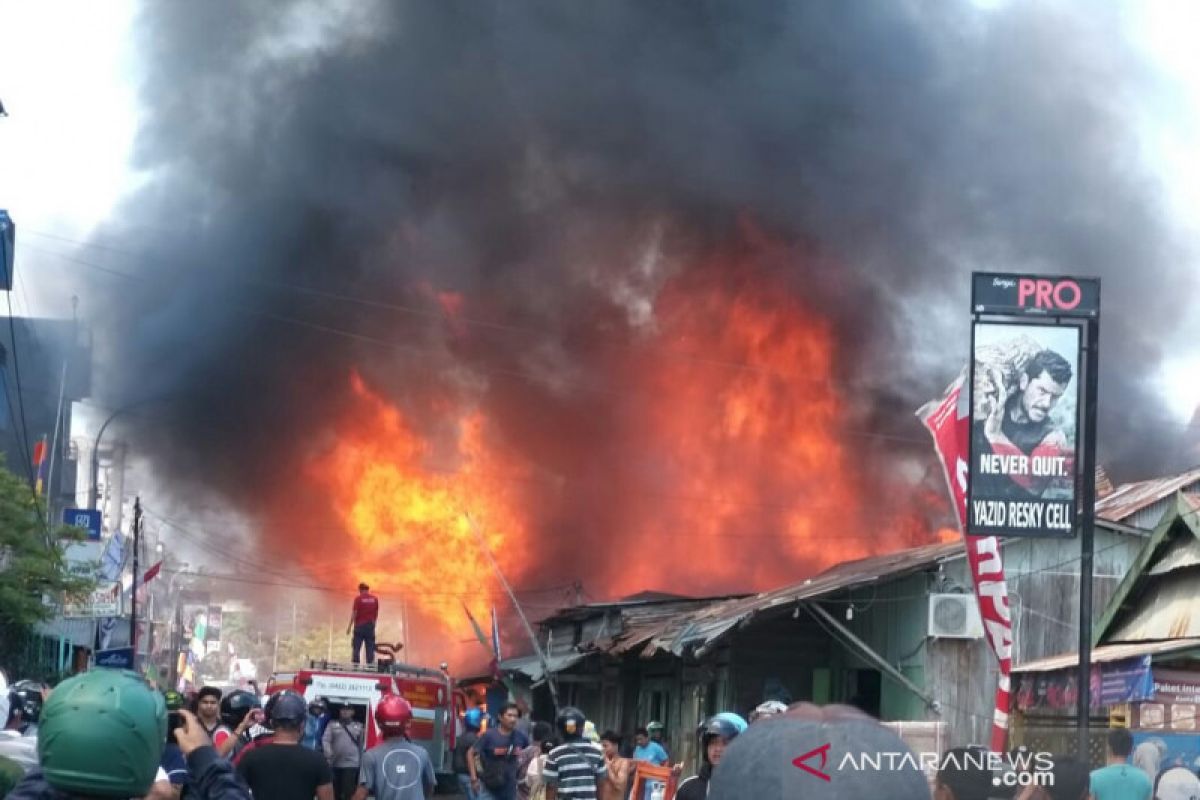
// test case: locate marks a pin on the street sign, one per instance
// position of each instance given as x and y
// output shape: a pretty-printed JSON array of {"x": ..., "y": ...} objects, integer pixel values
[
  {"x": 102, "y": 602},
  {"x": 117, "y": 658},
  {"x": 84, "y": 518}
]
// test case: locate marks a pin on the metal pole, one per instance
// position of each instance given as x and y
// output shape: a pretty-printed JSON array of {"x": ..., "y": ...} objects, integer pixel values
[
  {"x": 62, "y": 390},
  {"x": 93, "y": 494},
  {"x": 137, "y": 544},
  {"x": 537, "y": 648},
  {"x": 1087, "y": 542}
]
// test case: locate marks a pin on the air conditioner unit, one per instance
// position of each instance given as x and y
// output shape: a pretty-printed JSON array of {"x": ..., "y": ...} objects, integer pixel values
[{"x": 954, "y": 616}]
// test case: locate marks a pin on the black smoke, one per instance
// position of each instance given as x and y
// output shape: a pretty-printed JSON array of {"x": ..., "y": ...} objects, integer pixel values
[{"x": 555, "y": 163}]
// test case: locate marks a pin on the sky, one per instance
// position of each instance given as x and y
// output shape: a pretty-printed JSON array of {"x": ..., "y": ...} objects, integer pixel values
[{"x": 68, "y": 77}]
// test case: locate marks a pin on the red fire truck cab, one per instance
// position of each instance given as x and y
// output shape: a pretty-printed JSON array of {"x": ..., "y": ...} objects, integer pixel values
[{"x": 436, "y": 703}]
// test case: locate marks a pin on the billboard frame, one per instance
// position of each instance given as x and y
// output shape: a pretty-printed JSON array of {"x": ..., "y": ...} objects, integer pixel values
[{"x": 1085, "y": 475}]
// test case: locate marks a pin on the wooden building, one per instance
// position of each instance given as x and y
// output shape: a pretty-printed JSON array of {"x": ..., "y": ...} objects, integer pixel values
[
  {"x": 896, "y": 634},
  {"x": 1149, "y": 629}
]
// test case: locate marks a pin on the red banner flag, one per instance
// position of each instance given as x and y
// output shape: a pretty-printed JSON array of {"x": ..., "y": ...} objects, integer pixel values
[
  {"x": 948, "y": 421},
  {"x": 152, "y": 573}
]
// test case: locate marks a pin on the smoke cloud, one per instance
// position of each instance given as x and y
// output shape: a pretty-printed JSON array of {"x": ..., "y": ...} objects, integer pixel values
[{"x": 482, "y": 201}]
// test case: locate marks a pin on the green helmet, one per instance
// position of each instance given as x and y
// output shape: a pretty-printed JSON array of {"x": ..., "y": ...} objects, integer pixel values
[
  {"x": 102, "y": 734},
  {"x": 173, "y": 699}
]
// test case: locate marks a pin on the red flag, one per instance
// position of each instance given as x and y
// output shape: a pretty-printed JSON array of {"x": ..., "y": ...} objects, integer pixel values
[
  {"x": 152, "y": 573},
  {"x": 949, "y": 423},
  {"x": 39, "y": 462}
]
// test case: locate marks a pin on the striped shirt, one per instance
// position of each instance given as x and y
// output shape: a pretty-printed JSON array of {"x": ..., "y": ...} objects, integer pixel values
[{"x": 574, "y": 768}]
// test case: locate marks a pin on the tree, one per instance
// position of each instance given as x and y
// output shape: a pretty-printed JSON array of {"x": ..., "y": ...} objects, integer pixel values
[{"x": 34, "y": 574}]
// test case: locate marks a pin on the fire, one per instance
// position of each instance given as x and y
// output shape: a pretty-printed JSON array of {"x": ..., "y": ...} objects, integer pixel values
[
  {"x": 747, "y": 425},
  {"x": 721, "y": 458},
  {"x": 413, "y": 521}
]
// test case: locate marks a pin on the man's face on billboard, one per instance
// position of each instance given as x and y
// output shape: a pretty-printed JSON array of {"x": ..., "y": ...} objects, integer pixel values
[{"x": 1039, "y": 396}]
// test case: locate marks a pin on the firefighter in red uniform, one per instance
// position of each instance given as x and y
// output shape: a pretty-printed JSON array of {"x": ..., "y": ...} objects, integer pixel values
[{"x": 362, "y": 621}]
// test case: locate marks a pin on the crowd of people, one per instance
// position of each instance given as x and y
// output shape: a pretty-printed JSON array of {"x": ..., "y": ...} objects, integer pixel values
[{"x": 107, "y": 734}]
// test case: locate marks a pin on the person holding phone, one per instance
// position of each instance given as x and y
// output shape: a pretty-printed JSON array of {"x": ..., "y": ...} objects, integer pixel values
[
  {"x": 173, "y": 762},
  {"x": 240, "y": 711},
  {"x": 283, "y": 770}
]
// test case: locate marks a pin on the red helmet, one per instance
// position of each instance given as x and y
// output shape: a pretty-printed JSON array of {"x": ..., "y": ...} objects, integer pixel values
[{"x": 393, "y": 714}]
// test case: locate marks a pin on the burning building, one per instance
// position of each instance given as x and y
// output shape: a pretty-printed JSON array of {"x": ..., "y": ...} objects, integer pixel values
[{"x": 649, "y": 291}]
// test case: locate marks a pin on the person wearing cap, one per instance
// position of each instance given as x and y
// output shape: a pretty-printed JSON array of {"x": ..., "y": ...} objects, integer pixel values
[
  {"x": 342, "y": 744},
  {"x": 363, "y": 615},
  {"x": 1118, "y": 779},
  {"x": 1177, "y": 783},
  {"x": 766, "y": 710},
  {"x": 801, "y": 754},
  {"x": 656, "y": 731},
  {"x": 283, "y": 770}
]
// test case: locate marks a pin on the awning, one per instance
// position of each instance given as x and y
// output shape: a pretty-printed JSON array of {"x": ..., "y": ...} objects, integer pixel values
[
  {"x": 531, "y": 666},
  {"x": 80, "y": 632},
  {"x": 1111, "y": 652}
]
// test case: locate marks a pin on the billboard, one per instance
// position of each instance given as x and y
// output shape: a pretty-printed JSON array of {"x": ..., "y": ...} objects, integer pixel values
[
  {"x": 1024, "y": 429},
  {"x": 1034, "y": 295},
  {"x": 102, "y": 602}
]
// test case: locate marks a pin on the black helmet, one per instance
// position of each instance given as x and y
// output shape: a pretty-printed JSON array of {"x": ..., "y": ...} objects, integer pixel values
[
  {"x": 26, "y": 697},
  {"x": 235, "y": 706},
  {"x": 273, "y": 701},
  {"x": 725, "y": 726},
  {"x": 287, "y": 708},
  {"x": 570, "y": 722}
]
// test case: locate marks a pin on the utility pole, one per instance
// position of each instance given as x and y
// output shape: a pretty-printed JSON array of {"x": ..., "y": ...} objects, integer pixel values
[
  {"x": 551, "y": 684},
  {"x": 137, "y": 545}
]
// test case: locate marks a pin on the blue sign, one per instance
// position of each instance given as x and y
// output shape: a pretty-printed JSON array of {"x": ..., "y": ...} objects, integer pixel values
[
  {"x": 8, "y": 236},
  {"x": 84, "y": 518},
  {"x": 1124, "y": 681},
  {"x": 118, "y": 658}
]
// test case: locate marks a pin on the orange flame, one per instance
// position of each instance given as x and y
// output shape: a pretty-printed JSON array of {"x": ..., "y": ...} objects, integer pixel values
[
  {"x": 734, "y": 469},
  {"x": 408, "y": 515}
]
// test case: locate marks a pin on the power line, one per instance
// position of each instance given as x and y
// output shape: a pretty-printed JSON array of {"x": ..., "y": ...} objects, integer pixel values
[
  {"x": 23, "y": 430},
  {"x": 424, "y": 313},
  {"x": 474, "y": 322}
]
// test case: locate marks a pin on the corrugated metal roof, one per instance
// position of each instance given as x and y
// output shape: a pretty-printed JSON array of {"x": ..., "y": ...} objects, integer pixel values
[
  {"x": 1169, "y": 609},
  {"x": 1110, "y": 652},
  {"x": 1129, "y": 498},
  {"x": 707, "y": 624},
  {"x": 532, "y": 665},
  {"x": 1183, "y": 552}
]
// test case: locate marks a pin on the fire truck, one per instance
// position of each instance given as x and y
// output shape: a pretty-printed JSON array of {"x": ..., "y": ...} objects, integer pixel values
[{"x": 437, "y": 705}]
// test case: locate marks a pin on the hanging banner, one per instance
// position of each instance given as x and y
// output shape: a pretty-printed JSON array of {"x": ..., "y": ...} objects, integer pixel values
[
  {"x": 949, "y": 423},
  {"x": 1114, "y": 683},
  {"x": 1024, "y": 429}
]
